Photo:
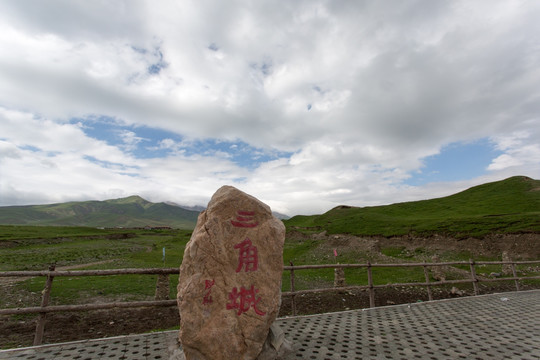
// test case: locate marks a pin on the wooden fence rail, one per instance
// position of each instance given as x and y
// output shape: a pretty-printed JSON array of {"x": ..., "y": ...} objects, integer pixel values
[
  {"x": 56, "y": 273},
  {"x": 474, "y": 279},
  {"x": 52, "y": 273}
]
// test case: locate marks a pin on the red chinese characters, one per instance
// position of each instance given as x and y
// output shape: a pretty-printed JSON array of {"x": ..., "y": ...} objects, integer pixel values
[
  {"x": 207, "y": 299},
  {"x": 245, "y": 219},
  {"x": 243, "y": 300},
  {"x": 247, "y": 258}
]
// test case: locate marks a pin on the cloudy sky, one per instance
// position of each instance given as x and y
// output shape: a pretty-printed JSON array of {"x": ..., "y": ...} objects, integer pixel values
[{"x": 304, "y": 104}]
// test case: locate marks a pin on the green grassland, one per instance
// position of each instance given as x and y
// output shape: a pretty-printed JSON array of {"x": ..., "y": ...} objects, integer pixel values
[
  {"x": 507, "y": 206},
  {"x": 35, "y": 248}
]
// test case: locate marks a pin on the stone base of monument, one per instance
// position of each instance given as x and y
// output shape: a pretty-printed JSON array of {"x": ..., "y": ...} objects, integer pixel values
[{"x": 276, "y": 346}]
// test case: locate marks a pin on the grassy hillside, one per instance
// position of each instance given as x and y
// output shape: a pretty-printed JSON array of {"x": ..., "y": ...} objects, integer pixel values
[
  {"x": 132, "y": 211},
  {"x": 507, "y": 206}
]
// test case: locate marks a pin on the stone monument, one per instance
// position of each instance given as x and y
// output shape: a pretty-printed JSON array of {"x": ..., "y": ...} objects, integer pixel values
[{"x": 229, "y": 290}]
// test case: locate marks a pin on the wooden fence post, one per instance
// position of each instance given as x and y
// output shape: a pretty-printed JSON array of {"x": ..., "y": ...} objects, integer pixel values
[
  {"x": 293, "y": 302},
  {"x": 514, "y": 273},
  {"x": 370, "y": 283},
  {"x": 40, "y": 327},
  {"x": 426, "y": 274},
  {"x": 473, "y": 276}
]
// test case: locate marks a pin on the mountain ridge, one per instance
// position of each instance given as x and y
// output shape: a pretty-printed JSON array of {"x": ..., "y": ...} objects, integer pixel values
[
  {"x": 131, "y": 211},
  {"x": 509, "y": 205}
]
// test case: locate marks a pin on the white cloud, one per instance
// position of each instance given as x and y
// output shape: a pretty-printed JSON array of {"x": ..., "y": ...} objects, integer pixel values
[
  {"x": 22, "y": 129},
  {"x": 130, "y": 139},
  {"x": 359, "y": 92},
  {"x": 167, "y": 144},
  {"x": 521, "y": 151}
]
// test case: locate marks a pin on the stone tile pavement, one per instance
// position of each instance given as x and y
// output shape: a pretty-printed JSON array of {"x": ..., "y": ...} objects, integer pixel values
[
  {"x": 499, "y": 326},
  {"x": 495, "y": 326}
]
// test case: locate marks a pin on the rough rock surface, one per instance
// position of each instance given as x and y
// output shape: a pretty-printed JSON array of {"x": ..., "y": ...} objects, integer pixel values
[{"x": 229, "y": 289}]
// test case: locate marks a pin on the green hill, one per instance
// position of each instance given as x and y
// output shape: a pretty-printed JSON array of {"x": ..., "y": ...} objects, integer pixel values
[
  {"x": 132, "y": 211},
  {"x": 507, "y": 206}
]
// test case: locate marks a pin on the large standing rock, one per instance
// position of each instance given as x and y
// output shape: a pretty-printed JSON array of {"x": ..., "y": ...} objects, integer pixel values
[{"x": 229, "y": 291}]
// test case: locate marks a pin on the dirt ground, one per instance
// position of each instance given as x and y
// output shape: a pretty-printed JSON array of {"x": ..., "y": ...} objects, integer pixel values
[
  {"x": 18, "y": 331},
  {"x": 524, "y": 246}
]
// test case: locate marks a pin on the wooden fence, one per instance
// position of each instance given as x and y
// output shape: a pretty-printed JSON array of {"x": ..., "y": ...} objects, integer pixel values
[
  {"x": 474, "y": 279},
  {"x": 52, "y": 273}
]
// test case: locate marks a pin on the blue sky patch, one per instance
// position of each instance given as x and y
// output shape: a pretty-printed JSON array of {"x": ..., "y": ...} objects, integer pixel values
[
  {"x": 456, "y": 161},
  {"x": 238, "y": 152},
  {"x": 139, "y": 50},
  {"x": 109, "y": 165},
  {"x": 155, "y": 68},
  {"x": 30, "y": 148},
  {"x": 145, "y": 142}
]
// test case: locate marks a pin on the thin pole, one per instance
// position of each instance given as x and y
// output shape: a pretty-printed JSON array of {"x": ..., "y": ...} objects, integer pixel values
[
  {"x": 40, "y": 327},
  {"x": 370, "y": 284},
  {"x": 473, "y": 276},
  {"x": 514, "y": 272},
  {"x": 428, "y": 286},
  {"x": 293, "y": 302}
]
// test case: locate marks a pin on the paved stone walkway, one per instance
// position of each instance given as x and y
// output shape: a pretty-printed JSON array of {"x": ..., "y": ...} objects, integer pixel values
[{"x": 497, "y": 326}]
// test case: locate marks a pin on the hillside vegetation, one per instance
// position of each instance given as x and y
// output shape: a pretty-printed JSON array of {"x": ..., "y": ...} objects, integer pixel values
[
  {"x": 507, "y": 206},
  {"x": 132, "y": 211}
]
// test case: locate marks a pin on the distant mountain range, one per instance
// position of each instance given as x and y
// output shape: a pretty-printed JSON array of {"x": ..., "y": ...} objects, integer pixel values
[
  {"x": 510, "y": 205},
  {"x": 132, "y": 211},
  {"x": 129, "y": 212}
]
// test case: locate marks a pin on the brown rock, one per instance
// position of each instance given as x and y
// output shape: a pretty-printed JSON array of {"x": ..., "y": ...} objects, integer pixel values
[
  {"x": 229, "y": 289},
  {"x": 276, "y": 345}
]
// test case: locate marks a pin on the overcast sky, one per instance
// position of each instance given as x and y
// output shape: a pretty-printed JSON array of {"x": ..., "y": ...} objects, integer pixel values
[{"x": 304, "y": 104}]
